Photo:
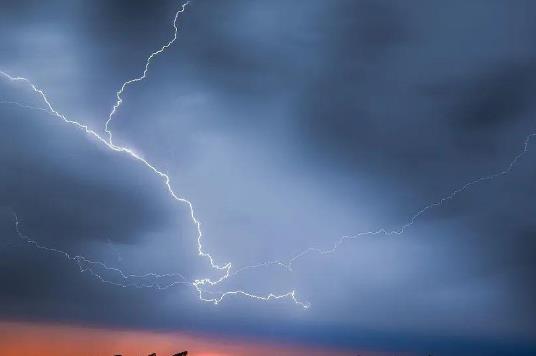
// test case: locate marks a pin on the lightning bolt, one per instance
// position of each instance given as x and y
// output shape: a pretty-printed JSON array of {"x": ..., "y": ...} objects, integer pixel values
[
  {"x": 93, "y": 267},
  {"x": 401, "y": 229},
  {"x": 148, "y": 280},
  {"x": 119, "y": 93},
  {"x": 24, "y": 106},
  {"x": 166, "y": 180},
  {"x": 131, "y": 280}
]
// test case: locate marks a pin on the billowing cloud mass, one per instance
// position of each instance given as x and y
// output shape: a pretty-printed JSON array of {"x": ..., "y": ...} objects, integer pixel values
[{"x": 288, "y": 125}]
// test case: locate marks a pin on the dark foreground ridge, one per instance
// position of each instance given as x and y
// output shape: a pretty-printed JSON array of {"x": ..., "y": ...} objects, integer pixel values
[{"x": 184, "y": 353}]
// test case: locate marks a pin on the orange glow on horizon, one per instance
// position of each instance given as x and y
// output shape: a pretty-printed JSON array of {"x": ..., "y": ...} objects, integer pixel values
[{"x": 40, "y": 339}]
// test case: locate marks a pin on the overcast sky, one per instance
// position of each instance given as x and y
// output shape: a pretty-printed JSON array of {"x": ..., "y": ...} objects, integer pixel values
[{"x": 287, "y": 124}]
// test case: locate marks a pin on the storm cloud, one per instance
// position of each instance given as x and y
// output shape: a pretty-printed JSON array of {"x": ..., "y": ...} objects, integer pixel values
[{"x": 288, "y": 125}]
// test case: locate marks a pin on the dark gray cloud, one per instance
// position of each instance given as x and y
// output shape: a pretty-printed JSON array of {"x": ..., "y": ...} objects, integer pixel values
[{"x": 288, "y": 125}]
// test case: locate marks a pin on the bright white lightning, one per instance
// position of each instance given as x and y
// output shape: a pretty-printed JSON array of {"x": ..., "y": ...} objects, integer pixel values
[
  {"x": 226, "y": 268},
  {"x": 118, "y": 94},
  {"x": 198, "y": 283}
]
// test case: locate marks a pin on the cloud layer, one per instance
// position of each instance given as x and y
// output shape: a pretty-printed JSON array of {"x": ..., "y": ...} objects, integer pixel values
[{"x": 288, "y": 125}]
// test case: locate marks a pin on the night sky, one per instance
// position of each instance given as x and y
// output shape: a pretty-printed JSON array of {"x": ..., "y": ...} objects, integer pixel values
[{"x": 287, "y": 125}]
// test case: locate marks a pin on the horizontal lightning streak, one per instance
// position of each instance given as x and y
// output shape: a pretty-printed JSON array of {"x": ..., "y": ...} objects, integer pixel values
[
  {"x": 400, "y": 230},
  {"x": 133, "y": 280},
  {"x": 88, "y": 265},
  {"x": 24, "y": 106}
]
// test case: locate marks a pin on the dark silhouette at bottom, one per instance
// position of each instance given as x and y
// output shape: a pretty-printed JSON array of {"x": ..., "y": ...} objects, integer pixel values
[{"x": 184, "y": 353}]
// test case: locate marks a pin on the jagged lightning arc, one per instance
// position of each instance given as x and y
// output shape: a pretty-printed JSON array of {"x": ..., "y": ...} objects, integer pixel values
[
  {"x": 198, "y": 283},
  {"x": 85, "y": 264},
  {"x": 93, "y": 267},
  {"x": 119, "y": 93},
  {"x": 401, "y": 229}
]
